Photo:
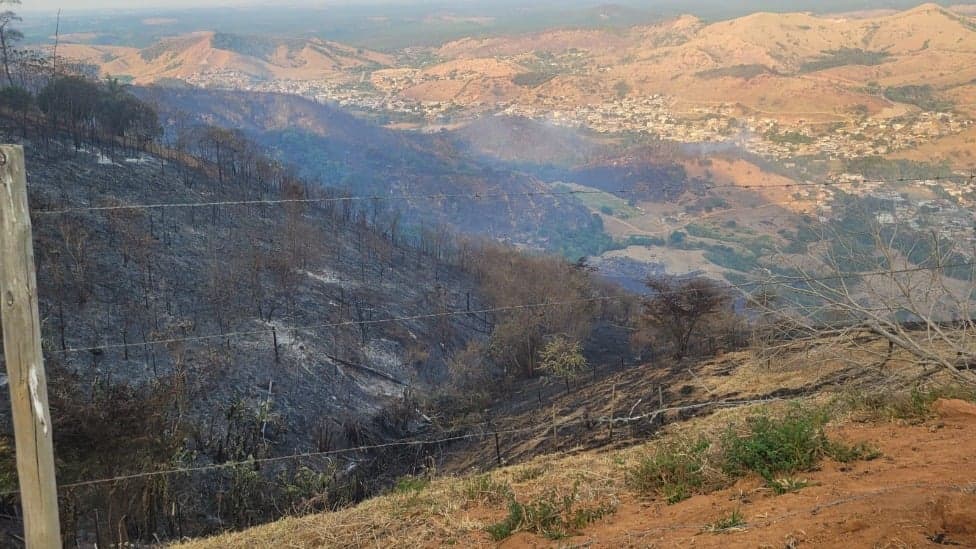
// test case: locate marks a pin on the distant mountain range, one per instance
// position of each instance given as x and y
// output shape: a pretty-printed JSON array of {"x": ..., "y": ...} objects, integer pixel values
[
  {"x": 253, "y": 58},
  {"x": 799, "y": 64}
]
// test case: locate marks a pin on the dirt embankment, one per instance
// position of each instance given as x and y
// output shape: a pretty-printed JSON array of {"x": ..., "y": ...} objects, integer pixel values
[{"x": 920, "y": 492}]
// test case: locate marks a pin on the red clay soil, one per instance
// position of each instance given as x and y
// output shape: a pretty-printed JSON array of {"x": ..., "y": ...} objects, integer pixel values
[{"x": 920, "y": 493}]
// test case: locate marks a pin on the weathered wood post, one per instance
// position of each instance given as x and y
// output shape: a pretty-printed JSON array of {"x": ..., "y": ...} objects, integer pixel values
[{"x": 24, "y": 356}]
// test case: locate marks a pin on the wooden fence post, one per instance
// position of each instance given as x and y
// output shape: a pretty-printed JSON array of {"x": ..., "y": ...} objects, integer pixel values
[{"x": 24, "y": 356}]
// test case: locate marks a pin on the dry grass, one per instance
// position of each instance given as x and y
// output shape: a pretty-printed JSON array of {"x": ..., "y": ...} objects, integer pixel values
[{"x": 459, "y": 510}]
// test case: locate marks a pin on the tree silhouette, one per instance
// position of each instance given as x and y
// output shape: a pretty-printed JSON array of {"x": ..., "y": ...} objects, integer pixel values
[
  {"x": 678, "y": 306},
  {"x": 8, "y": 37}
]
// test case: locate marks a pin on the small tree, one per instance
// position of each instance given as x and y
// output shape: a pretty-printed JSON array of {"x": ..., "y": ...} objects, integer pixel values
[
  {"x": 679, "y": 306},
  {"x": 8, "y": 37},
  {"x": 760, "y": 304},
  {"x": 121, "y": 114},
  {"x": 563, "y": 358},
  {"x": 71, "y": 100}
]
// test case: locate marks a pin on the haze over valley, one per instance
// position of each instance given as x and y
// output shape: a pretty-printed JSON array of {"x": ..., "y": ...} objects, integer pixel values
[{"x": 764, "y": 100}]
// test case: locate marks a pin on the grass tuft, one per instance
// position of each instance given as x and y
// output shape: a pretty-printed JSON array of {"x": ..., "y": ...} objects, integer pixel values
[
  {"x": 846, "y": 453},
  {"x": 734, "y": 521},
  {"x": 410, "y": 484},
  {"x": 787, "y": 485},
  {"x": 912, "y": 406},
  {"x": 551, "y": 516},
  {"x": 675, "y": 471},
  {"x": 526, "y": 474},
  {"x": 485, "y": 489}
]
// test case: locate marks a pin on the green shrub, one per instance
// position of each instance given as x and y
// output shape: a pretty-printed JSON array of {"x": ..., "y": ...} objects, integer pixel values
[
  {"x": 775, "y": 446},
  {"x": 677, "y": 239},
  {"x": 674, "y": 472},
  {"x": 541, "y": 517},
  {"x": 306, "y": 490}
]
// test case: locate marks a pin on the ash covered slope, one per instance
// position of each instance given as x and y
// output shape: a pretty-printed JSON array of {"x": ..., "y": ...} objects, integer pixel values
[
  {"x": 124, "y": 278},
  {"x": 340, "y": 150}
]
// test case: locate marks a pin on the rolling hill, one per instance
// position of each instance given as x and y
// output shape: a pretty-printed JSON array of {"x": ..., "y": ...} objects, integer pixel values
[
  {"x": 251, "y": 58},
  {"x": 793, "y": 65},
  {"x": 796, "y": 66}
]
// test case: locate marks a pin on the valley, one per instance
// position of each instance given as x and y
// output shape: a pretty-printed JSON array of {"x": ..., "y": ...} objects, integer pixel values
[
  {"x": 760, "y": 95},
  {"x": 799, "y": 97}
]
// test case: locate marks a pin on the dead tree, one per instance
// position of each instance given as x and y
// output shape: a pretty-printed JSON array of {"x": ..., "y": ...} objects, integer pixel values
[
  {"x": 910, "y": 290},
  {"x": 678, "y": 307}
]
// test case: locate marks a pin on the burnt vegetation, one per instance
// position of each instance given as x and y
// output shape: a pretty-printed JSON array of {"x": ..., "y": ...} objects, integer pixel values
[
  {"x": 272, "y": 317},
  {"x": 336, "y": 149}
]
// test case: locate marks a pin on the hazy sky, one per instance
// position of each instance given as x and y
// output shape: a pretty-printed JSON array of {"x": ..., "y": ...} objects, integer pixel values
[{"x": 79, "y": 5}]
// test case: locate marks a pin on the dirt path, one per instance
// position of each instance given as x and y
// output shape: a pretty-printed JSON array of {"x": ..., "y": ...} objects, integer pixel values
[{"x": 921, "y": 492}]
